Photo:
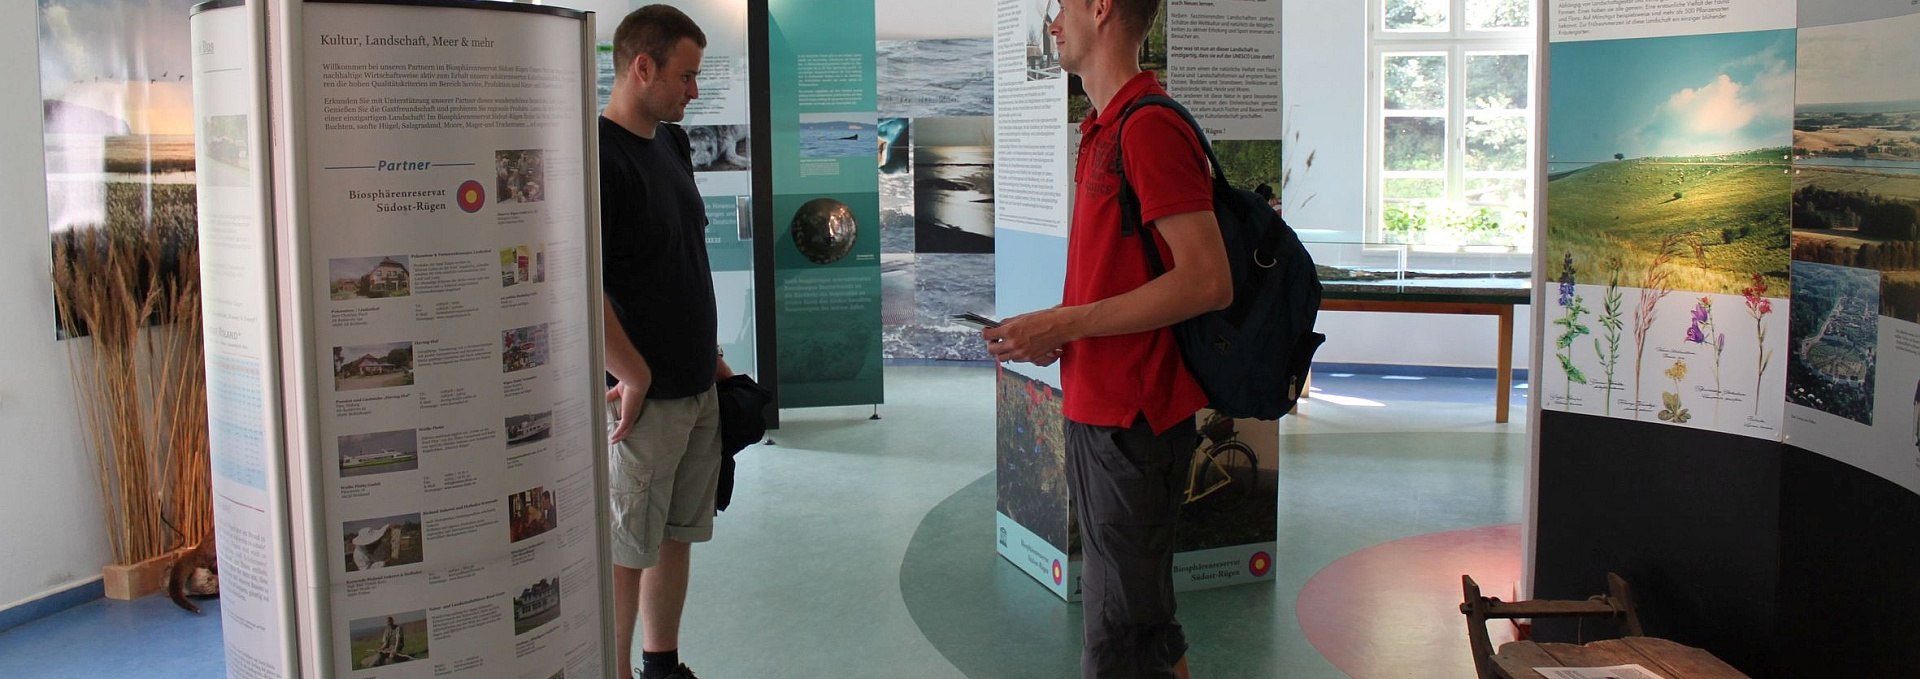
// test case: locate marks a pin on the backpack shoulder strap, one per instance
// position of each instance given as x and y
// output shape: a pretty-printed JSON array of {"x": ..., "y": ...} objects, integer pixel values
[
  {"x": 1161, "y": 100},
  {"x": 1130, "y": 223}
]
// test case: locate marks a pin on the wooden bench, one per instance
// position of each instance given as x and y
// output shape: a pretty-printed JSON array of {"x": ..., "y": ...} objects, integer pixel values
[
  {"x": 1668, "y": 659},
  {"x": 1517, "y": 660}
]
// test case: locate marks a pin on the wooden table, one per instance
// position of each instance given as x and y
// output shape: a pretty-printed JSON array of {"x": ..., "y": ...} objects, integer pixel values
[
  {"x": 1668, "y": 659},
  {"x": 1498, "y": 303}
]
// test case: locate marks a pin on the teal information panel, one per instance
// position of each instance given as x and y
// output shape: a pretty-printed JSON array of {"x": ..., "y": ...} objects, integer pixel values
[{"x": 826, "y": 202}]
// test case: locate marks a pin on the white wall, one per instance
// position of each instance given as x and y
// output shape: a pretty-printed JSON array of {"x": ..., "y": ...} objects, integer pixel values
[
  {"x": 51, "y": 534},
  {"x": 1324, "y": 57}
]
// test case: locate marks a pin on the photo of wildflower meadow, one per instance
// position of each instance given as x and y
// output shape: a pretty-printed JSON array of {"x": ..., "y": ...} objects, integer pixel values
[{"x": 1668, "y": 160}]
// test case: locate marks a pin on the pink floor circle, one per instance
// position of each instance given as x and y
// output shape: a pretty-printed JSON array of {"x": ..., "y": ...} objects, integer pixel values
[{"x": 1392, "y": 610}]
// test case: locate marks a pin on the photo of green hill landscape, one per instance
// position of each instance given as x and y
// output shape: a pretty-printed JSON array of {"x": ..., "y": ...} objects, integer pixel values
[
  {"x": 1668, "y": 160},
  {"x": 1730, "y": 214}
]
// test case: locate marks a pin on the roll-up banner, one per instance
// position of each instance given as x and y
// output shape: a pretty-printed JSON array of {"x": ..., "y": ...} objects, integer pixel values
[
  {"x": 826, "y": 202},
  {"x": 417, "y": 323},
  {"x": 245, "y": 415}
]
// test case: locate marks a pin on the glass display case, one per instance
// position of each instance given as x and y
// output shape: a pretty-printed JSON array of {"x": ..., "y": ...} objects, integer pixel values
[{"x": 1385, "y": 268}]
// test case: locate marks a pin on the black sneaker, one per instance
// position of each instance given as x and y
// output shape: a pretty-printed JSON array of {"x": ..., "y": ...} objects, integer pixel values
[{"x": 681, "y": 672}]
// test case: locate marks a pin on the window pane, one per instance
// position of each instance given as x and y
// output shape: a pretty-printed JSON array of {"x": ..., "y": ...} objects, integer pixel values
[
  {"x": 1405, "y": 222},
  {"x": 1496, "y": 81},
  {"x": 1416, "y": 82},
  {"x": 1496, "y": 143},
  {"x": 1437, "y": 223},
  {"x": 1416, "y": 15},
  {"x": 1403, "y": 189},
  {"x": 1483, "y": 14},
  {"x": 1416, "y": 143},
  {"x": 1488, "y": 226},
  {"x": 1511, "y": 192}
]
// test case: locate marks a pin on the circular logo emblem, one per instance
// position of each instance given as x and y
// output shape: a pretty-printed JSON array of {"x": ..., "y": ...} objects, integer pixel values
[
  {"x": 472, "y": 196},
  {"x": 1059, "y": 574},
  {"x": 1260, "y": 565}
]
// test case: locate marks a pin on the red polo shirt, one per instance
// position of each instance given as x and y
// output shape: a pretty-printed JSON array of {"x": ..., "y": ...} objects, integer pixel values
[{"x": 1111, "y": 381}]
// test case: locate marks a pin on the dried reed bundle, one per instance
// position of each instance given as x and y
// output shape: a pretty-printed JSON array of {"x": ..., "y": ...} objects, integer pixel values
[
  {"x": 140, "y": 389},
  {"x": 182, "y": 400}
]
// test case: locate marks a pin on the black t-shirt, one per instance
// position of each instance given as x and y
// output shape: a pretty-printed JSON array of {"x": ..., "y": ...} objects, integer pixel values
[{"x": 653, "y": 233}]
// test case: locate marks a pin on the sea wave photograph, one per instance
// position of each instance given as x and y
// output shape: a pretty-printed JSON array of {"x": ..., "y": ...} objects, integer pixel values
[
  {"x": 896, "y": 290},
  {"x": 603, "y": 82},
  {"x": 935, "y": 78},
  {"x": 839, "y": 135},
  {"x": 953, "y": 185},
  {"x": 953, "y": 199},
  {"x": 944, "y": 284}
]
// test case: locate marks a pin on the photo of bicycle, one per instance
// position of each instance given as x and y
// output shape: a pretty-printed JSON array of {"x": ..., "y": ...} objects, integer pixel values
[
  {"x": 1224, "y": 469},
  {"x": 1231, "y": 496}
]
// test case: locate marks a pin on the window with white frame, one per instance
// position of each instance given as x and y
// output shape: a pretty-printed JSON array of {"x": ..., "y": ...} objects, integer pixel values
[{"x": 1451, "y": 109}]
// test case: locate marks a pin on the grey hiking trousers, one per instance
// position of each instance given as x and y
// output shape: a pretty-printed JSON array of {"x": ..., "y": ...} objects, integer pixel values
[{"x": 1127, "y": 485}]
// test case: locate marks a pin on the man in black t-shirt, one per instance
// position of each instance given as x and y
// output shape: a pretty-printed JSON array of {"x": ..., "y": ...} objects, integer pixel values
[{"x": 660, "y": 330}]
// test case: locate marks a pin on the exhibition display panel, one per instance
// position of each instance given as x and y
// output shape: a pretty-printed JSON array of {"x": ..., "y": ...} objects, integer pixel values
[
  {"x": 824, "y": 212},
  {"x": 1726, "y": 259},
  {"x": 404, "y": 337}
]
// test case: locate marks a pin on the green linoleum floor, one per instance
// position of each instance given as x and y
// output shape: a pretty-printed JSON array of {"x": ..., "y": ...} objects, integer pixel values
[{"x": 860, "y": 548}]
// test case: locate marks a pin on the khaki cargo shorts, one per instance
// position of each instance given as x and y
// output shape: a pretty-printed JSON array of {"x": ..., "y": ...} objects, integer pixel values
[{"x": 663, "y": 477}]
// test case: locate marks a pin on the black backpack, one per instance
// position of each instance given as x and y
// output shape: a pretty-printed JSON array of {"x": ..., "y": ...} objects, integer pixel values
[{"x": 1252, "y": 357}]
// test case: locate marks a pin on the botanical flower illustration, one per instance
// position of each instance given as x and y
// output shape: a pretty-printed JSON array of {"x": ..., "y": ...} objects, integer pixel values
[
  {"x": 1654, "y": 286},
  {"x": 1758, "y": 306},
  {"x": 1673, "y": 412},
  {"x": 1610, "y": 321},
  {"x": 1677, "y": 372},
  {"x": 1701, "y": 331},
  {"x": 1671, "y": 399},
  {"x": 1566, "y": 279},
  {"x": 1571, "y": 329}
]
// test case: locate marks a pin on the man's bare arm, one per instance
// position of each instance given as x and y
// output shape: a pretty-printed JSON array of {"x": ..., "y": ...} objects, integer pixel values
[{"x": 1198, "y": 281}]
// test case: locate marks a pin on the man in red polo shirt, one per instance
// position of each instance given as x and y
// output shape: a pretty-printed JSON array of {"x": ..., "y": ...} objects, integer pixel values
[{"x": 1129, "y": 398}]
